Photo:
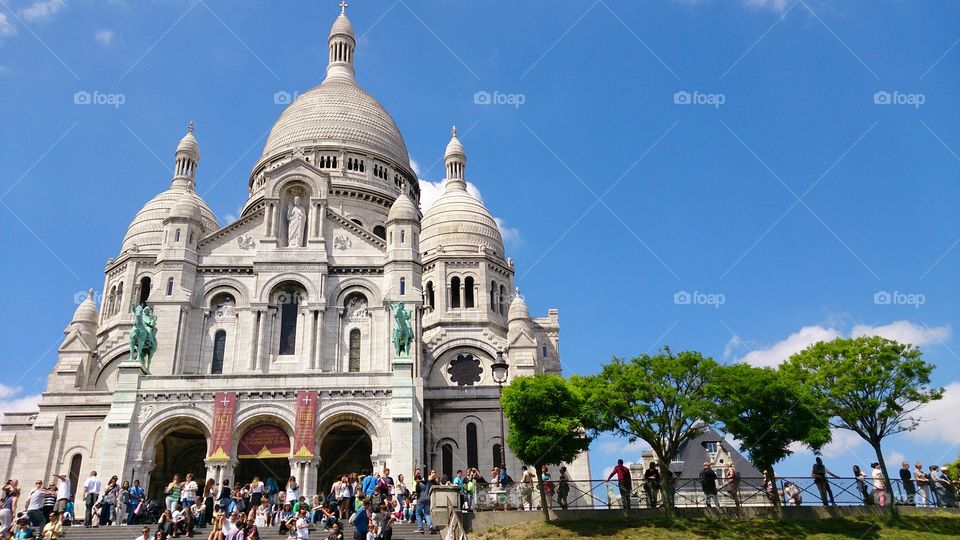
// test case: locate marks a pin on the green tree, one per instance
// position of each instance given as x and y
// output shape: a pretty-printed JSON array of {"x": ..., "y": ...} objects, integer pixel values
[
  {"x": 663, "y": 400},
  {"x": 545, "y": 414},
  {"x": 767, "y": 412},
  {"x": 872, "y": 386}
]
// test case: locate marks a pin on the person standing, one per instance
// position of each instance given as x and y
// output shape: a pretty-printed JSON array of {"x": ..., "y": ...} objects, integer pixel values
[
  {"x": 172, "y": 492},
  {"x": 136, "y": 496},
  {"x": 8, "y": 503},
  {"x": 256, "y": 492},
  {"x": 188, "y": 492},
  {"x": 108, "y": 501},
  {"x": 651, "y": 483},
  {"x": 923, "y": 484},
  {"x": 123, "y": 504},
  {"x": 879, "y": 487},
  {"x": 91, "y": 490},
  {"x": 35, "y": 505},
  {"x": 907, "y": 480},
  {"x": 49, "y": 500},
  {"x": 293, "y": 490},
  {"x": 623, "y": 482},
  {"x": 64, "y": 492},
  {"x": 819, "y": 474},
  {"x": 563, "y": 487},
  {"x": 732, "y": 484},
  {"x": 861, "y": 480},
  {"x": 423, "y": 505},
  {"x": 708, "y": 481},
  {"x": 361, "y": 521},
  {"x": 937, "y": 486}
]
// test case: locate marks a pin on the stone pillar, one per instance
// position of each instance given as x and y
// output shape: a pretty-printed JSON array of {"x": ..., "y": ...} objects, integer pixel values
[
  {"x": 115, "y": 437},
  {"x": 308, "y": 475},
  {"x": 255, "y": 337},
  {"x": 145, "y": 474}
]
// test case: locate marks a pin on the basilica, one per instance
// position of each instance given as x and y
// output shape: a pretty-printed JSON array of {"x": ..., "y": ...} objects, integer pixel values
[{"x": 270, "y": 338}]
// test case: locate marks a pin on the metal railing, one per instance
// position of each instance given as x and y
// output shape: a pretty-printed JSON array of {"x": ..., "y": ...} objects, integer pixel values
[{"x": 689, "y": 493}]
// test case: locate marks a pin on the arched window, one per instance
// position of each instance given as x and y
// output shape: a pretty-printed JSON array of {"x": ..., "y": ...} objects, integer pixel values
[
  {"x": 446, "y": 460},
  {"x": 219, "y": 346},
  {"x": 544, "y": 351},
  {"x": 190, "y": 238},
  {"x": 403, "y": 286},
  {"x": 75, "y": 462},
  {"x": 289, "y": 301},
  {"x": 176, "y": 236},
  {"x": 468, "y": 292},
  {"x": 455, "y": 293},
  {"x": 111, "y": 301},
  {"x": 430, "y": 294},
  {"x": 380, "y": 231},
  {"x": 403, "y": 236},
  {"x": 170, "y": 287},
  {"x": 118, "y": 300},
  {"x": 472, "y": 445},
  {"x": 144, "y": 291},
  {"x": 497, "y": 457},
  {"x": 493, "y": 296},
  {"x": 354, "y": 366},
  {"x": 503, "y": 300}
]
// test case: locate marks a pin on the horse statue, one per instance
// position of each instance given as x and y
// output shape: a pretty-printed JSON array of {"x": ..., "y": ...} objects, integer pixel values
[
  {"x": 402, "y": 333},
  {"x": 143, "y": 335}
]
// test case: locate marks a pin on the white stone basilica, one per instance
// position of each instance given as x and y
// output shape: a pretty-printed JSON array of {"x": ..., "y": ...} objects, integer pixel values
[{"x": 284, "y": 317}]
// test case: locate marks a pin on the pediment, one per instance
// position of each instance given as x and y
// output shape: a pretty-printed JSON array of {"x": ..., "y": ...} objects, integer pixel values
[{"x": 349, "y": 238}]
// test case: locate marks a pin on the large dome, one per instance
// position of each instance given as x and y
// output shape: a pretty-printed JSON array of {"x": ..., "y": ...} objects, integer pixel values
[
  {"x": 338, "y": 112},
  {"x": 146, "y": 229},
  {"x": 460, "y": 223}
]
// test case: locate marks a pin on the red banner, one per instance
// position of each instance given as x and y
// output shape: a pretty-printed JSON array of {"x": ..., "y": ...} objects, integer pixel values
[
  {"x": 305, "y": 431},
  {"x": 264, "y": 441},
  {"x": 224, "y": 409}
]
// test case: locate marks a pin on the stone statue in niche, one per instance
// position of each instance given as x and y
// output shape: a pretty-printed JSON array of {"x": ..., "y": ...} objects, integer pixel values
[
  {"x": 357, "y": 308},
  {"x": 295, "y": 223},
  {"x": 225, "y": 311}
]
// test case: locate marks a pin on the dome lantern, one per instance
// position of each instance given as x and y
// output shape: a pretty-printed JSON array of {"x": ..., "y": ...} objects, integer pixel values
[
  {"x": 186, "y": 160},
  {"x": 456, "y": 161},
  {"x": 342, "y": 46}
]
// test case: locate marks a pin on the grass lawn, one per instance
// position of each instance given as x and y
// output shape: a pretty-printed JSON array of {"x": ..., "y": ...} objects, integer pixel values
[{"x": 941, "y": 525}]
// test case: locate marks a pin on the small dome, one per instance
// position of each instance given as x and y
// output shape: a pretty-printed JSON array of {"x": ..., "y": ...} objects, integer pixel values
[
  {"x": 86, "y": 312},
  {"x": 146, "y": 230},
  {"x": 186, "y": 208},
  {"x": 341, "y": 26},
  {"x": 460, "y": 223},
  {"x": 454, "y": 147},
  {"x": 188, "y": 144},
  {"x": 403, "y": 209},
  {"x": 518, "y": 308}
]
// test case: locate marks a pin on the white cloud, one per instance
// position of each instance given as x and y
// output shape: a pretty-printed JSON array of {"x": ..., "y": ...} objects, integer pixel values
[
  {"x": 431, "y": 191},
  {"x": 6, "y": 27},
  {"x": 42, "y": 10},
  {"x": 8, "y": 404},
  {"x": 776, "y": 5},
  {"x": 902, "y": 331},
  {"x": 416, "y": 167},
  {"x": 104, "y": 37},
  {"x": 796, "y": 342},
  {"x": 939, "y": 417}
]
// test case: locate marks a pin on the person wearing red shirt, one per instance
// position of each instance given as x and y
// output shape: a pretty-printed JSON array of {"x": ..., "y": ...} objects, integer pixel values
[{"x": 623, "y": 481}]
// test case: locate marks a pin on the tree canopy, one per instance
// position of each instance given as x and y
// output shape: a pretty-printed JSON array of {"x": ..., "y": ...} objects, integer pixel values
[{"x": 768, "y": 412}]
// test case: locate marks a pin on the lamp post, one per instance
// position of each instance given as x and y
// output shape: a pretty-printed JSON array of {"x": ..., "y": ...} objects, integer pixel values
[{"x": 500, "y": 376}]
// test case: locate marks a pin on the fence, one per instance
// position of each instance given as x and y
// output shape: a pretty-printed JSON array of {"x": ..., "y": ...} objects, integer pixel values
[{"x": 688, "y": 493}]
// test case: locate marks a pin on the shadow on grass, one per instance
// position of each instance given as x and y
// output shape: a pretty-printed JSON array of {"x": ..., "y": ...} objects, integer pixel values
[{"x": 850, "y": 527}]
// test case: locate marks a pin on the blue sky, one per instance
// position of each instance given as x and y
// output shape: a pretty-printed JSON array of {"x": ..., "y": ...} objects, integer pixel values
[{"x": 738, "y": 177}]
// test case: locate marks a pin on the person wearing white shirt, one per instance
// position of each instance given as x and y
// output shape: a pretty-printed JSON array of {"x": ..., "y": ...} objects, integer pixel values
[
  {"x": 144, "y": 534},
  {"x": 178, "y": 520},
  {"x": 229, "y": 524},
  {"x": 63, "y": 492},
  {"x": 91, "y": 490},
  {"x": 879, "y": 488},
  {"x": 303, "y": 527}
]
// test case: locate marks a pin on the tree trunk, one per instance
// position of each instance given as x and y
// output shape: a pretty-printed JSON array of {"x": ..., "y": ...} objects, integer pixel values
[
  {"x": 543, "y": 493},
  {"x": 665, "y": 477},
  {"x": 777, "y": 503},
  {"x": 888, "y": 486}
]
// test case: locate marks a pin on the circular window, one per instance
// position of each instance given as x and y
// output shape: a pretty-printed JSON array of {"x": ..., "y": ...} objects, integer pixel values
[{"x": 465, "y": 370}]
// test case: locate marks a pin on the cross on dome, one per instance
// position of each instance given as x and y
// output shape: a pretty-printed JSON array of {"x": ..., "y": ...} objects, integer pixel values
[
  {"x": 453, "y": 130},
  {"x": 343, "y": 7},
  {"x": 190, "y": 127}
]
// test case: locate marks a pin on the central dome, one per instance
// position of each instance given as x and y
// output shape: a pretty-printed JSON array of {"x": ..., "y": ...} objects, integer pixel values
[{"x": 338, "y": 112}]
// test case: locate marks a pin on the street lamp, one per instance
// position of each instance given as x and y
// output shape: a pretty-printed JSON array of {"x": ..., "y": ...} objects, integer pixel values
[{"x": 500, "y": 376}]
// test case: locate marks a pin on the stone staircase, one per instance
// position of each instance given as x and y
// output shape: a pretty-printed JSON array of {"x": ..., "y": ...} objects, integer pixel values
[{"x": 401, "y": 531}]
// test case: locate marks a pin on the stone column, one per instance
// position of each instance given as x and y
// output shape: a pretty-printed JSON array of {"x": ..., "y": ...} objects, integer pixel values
[
  {"x": 255, "y": 337},
  {"x": 308, "y": 472}
]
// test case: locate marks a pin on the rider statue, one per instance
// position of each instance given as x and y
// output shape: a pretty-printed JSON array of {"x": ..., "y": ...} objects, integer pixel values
[
  {"x": 143, "y": 335},
  {"x": 402, "y": 333}
]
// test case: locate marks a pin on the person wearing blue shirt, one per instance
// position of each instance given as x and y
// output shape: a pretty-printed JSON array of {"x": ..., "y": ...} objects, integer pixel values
[
  {"x": 369, "y": 484},
  {"x": 361, "y": 521},
  {"x": 136, "y": 495}
]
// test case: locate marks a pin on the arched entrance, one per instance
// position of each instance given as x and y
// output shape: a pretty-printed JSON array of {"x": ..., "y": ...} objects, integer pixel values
[
  {"x": 344, "y": 449},
  {"x": 180, "y": 449},
  {"x": 263, "y": 452}
]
